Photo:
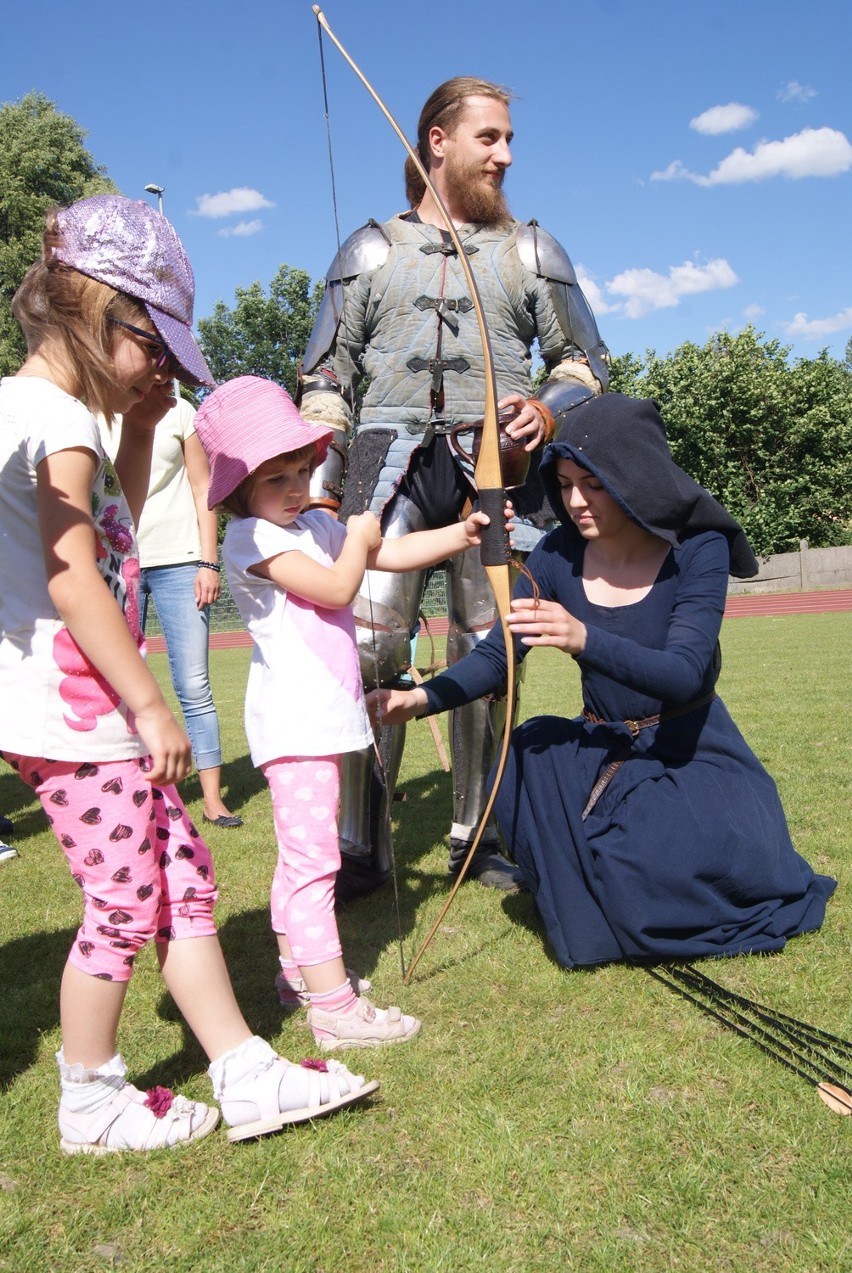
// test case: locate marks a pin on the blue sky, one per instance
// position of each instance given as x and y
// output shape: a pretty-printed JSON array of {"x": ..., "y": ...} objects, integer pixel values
[{"x": 694, "y": 158}]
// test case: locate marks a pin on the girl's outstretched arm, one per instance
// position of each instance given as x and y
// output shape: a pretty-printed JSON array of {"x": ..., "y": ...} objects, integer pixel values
[
  {"x": 423, "y": 548},
  {"x": 88, "y": 609},
  {"x": 332, "y": 586},
  {"x": 395, "y": 707}
]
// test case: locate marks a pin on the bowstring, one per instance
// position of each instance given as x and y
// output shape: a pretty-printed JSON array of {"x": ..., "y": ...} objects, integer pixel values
[{"x": 351, "y": 398}]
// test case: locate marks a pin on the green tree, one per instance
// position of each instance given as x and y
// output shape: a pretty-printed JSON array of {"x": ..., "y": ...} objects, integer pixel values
[
  {"x": 263, "y": 334},
  {"x": 43, "y": 161},
  {"x": 771, "y": 439},
  {"x": 625, "y": 372}
]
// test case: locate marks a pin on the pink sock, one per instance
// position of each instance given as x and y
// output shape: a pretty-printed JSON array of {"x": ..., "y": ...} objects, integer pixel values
[
  {"x": 291, "y": 973},
  {"x": 341, "y": 999}
]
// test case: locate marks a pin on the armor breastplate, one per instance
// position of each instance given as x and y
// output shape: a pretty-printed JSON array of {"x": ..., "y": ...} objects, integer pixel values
[{"x": 413, "y": 292}]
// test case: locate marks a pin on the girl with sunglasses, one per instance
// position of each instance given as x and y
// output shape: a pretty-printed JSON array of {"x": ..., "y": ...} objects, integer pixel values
[{"x": 107, "y": 315}]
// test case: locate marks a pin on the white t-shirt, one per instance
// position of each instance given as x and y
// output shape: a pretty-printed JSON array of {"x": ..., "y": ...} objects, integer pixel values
[
  {"x": 55, "y": 705},
  {"x": 304, "y": 695},
  {"x": 168, "y": 532}
]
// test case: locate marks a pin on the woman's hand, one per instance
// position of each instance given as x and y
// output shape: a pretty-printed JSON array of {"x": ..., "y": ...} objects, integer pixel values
[
  {"x": 168, "y": 745},
  {"x": 394, "y": 707},
  {"x": 207, "y": 587},
  {"x": 546, "y": 623}
]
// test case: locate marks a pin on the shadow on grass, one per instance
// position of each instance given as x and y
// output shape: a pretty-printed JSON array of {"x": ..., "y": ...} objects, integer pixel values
[
  {"x": 240, "y": 782},
  {"x": 368, "y": 929},
  {"x": 18, "y": 803},
  {"x": 30, "y": 972}
]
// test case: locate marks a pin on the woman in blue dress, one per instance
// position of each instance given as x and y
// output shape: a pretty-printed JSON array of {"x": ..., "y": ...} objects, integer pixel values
[{"x": 646, "y": 828}]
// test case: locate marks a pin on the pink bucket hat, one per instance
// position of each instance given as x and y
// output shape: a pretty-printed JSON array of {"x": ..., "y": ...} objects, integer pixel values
[
  {"x": 246, "y": 422},
  {"x": 129, "y": 246}
]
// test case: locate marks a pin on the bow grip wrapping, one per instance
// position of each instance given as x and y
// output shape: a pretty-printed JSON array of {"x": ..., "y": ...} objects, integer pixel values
[{"x": 495, "y": 548}]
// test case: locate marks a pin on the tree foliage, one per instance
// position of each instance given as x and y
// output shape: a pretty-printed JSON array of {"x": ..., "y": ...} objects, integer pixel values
[
  {"x": 772, "y": 440},
  {"x": 43, "y": 161},
  {"x": 263, "y": 334}
]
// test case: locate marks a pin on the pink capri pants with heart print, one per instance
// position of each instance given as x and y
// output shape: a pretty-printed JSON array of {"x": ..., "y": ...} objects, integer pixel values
[
  {"x": 144, "y": 870},
  {"x": 305, "y": 798}
]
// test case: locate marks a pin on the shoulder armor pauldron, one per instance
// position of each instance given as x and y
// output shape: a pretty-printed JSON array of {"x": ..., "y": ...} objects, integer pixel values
[
  {"x": 366, "y": 249},
  {"x": 544, "y": 255}
]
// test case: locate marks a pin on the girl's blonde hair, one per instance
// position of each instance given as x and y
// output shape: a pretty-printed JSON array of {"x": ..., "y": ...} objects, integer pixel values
[
  {"x": 237, "y": 503},
  {"x": 72, "y": 310}
]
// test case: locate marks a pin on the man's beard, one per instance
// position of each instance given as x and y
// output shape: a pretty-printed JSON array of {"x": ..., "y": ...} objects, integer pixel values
[{"x": 482, "y": 202}]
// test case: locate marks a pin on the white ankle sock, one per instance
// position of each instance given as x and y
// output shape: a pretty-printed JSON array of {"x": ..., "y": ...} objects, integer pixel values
[
  {"x": 83, "y": 1090},
  {"x": 100, "y": 1110},
  {"x": 242, "y": 1061}
]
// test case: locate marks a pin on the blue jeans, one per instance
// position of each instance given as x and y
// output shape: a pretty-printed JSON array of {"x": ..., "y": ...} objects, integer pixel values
[{"x": 186, "y": 630}]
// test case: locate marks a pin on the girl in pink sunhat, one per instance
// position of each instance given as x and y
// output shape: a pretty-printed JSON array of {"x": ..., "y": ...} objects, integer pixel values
[
  {"x": 107, "y": 315},
  {"x": 294, "y": 574}
]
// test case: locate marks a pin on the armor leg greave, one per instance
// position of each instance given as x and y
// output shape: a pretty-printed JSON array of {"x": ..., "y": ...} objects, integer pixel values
[
  {"x": 475, "y": 729},
  {"x": 386, "y": 613}
]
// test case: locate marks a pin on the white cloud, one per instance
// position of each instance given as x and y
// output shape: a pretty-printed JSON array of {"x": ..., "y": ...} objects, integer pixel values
[
  {"x": 646, "y": 290},
  {"x": 676, "y": 171},
  {"x": 242, "y": 229},
  {"x": 753, "y": 311},
  {"x": 814, "y": 152},
  {"x": 796, "y": 92},
  {"x": 593, "y": 294},
  {"x": 228, "y": 202},
  {"x": 806, "y": 328},
  {"x": 724, "y": 119}
]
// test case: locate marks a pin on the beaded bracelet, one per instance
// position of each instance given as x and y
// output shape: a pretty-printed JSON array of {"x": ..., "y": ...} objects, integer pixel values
[{"x": 210, "y": 565}]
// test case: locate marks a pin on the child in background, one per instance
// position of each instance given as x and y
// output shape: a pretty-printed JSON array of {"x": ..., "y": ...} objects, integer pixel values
[
  {"x": 107, "y": 315},
  {"x": 294, "y": 575},
  {"x": 7, "y": 826}
]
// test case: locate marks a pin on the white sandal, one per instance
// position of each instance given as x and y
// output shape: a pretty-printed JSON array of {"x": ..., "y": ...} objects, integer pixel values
[
  {"x": 171, "y": 1121},
  {"x": 260, "y": 1092},
  {"x": 366, "y": 1026}
]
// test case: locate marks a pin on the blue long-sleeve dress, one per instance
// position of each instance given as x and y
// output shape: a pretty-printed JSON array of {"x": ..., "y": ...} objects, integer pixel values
[{"x": 686, "y": 852}]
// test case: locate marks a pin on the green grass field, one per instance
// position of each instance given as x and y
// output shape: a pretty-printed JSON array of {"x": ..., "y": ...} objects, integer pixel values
[{"x": 543, "y": 1120}]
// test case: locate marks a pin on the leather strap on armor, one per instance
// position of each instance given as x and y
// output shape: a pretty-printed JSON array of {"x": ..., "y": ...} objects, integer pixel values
[
  {"x": 447, "y": 249},
  {"x": 438, "y": 365}
]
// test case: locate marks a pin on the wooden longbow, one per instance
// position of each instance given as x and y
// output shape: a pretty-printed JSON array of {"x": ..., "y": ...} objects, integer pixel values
[{"x": 488, "y": 478}]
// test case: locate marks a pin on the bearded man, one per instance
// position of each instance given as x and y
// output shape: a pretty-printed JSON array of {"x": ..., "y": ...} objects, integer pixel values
[{"x": 396, "y": 310}]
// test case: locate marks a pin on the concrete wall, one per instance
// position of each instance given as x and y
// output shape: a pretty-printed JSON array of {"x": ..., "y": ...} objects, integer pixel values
[
  {"x": 807, "y": 570},
  {"x": 804, "y": 571}
]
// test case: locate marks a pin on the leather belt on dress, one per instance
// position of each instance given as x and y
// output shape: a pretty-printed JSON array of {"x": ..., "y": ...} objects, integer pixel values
[{"x": 634, "y": 726}]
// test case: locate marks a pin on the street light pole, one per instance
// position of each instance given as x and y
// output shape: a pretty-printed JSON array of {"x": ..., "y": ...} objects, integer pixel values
[{"x": 159, "y": 191}]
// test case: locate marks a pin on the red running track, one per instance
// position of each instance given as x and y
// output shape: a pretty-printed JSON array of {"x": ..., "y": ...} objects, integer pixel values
[{"x": 769, "y": 603}]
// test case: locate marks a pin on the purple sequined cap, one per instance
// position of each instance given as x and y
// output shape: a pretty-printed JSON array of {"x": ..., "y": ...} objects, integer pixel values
[{"x": 126, "y": 244}]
